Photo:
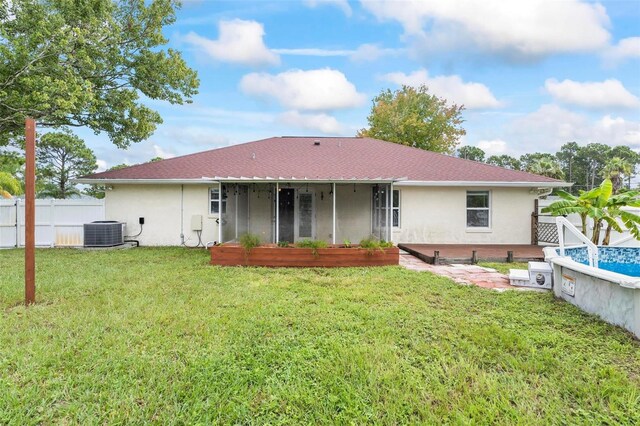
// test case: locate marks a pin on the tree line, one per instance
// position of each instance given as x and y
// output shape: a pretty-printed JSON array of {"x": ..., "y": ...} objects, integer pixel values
[{"x": 585, "y": 166}]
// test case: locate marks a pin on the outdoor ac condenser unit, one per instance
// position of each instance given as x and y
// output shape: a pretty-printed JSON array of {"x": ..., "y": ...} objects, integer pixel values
[{"x": 104, "y": 233}]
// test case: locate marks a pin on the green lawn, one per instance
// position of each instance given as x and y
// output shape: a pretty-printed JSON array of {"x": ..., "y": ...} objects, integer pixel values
[{"x": 157, "y": 335}]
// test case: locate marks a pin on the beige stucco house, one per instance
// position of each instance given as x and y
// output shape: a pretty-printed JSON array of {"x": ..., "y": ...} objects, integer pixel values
[{"x": 335, "y": 189}]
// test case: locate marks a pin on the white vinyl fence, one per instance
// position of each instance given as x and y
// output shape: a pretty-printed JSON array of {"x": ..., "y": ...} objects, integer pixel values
[
  {"x": 58, "y": 222},
  {"x": 625, "y": 237}
]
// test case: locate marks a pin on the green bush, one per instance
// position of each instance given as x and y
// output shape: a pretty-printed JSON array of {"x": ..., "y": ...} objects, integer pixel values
[
  {"x": 283, "y": 244},
  {"x": 372, "y": 244},
  {"x": 312, "y": 244},
  {"x": 249, "y": 241}
]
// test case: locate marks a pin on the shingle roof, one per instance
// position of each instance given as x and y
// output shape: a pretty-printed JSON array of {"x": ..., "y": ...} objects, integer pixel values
[{"x": 327, "y": 158}]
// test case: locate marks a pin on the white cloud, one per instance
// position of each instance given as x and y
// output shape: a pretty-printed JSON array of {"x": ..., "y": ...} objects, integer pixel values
[
  {"x": 618, "y": 129},
  {"x": 162, "y": 153},
  {"x": 318, "y": 122},
  {"x": 523, "y": 28},
  {"x": 364, "y": 53},
  {"x": 452, "y": 88},
  {"x": 341, "y": 4},
  {"x": 371, "y": 52},
  {"x": 317, "y": 90},
  {"x": 626, "y": 48},
  {"x": 314, "y": 52},
  {"x": 239, "y": 42},
  {"x": 551, "y": 126},
  {"x": 102, "y": 165},
  {"x": 493, "y": 147},
  {"x": 606, "y": 94}
]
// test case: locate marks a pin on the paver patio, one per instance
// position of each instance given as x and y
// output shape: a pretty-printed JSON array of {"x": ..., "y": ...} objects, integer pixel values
[{"x": 463, "y": 274}]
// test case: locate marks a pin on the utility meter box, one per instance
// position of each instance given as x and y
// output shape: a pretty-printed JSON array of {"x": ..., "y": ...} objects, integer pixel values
[
  {"x": 540, "y": 275},
  {"x": 196, "y": 222}
]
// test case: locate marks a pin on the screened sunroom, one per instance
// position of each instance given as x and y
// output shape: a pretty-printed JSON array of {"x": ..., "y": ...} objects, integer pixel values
[{"x": 336, "y": 212}]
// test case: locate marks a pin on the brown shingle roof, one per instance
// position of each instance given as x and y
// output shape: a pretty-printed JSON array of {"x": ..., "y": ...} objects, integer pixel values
[{"x": 334, "y": 158}]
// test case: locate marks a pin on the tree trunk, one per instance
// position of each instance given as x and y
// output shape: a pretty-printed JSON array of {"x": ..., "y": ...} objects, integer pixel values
[
  {"x": 596, "y": 232},
  {"x": 583, "y": 218},
  {"x": 607, "y": 236}
]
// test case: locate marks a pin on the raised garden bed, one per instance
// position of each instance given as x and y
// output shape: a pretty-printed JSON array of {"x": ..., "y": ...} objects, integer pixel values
[{"x": 273, "y": 256}]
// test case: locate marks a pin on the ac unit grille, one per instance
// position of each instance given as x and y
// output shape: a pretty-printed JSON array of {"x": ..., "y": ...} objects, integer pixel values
[{"x": 103, "y": 234}]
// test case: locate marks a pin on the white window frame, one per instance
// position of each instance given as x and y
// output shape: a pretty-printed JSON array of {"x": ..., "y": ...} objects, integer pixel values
[
  {"x": 396, "y": 208},
  {"x": 219, "y": 201},
  {"x": 488, "y": 209}
]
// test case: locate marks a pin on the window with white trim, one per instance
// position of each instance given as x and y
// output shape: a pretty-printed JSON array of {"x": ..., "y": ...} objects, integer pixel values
[
  {"x": 215, "y": 201},
  {"x": 478, "y": 209}
]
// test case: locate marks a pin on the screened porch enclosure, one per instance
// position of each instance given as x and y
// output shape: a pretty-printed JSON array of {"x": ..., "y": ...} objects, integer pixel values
[{"x": 292, "y": 212}]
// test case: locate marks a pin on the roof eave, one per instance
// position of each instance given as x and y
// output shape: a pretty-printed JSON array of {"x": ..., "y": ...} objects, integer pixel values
[
  {"x": 520, "y": 184},
  {"x": 106, "y": 181}
]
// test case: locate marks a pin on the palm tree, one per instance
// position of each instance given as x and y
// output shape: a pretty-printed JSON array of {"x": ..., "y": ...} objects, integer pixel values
[
  {"x": 546, "y": 167},
  {"x": 9, "y": 185},
  {"x": 615, "y": 169}
]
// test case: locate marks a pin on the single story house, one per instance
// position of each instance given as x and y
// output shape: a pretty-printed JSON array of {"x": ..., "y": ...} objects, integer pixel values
[{"x": 329, "y": 188}]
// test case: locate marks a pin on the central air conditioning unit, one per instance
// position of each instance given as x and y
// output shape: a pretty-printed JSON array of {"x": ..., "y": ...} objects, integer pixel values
[{"x": 103, "y": 233}]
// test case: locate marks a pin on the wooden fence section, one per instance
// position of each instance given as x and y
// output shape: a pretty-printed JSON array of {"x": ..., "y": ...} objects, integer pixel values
[{"x": 59, "y": 223}]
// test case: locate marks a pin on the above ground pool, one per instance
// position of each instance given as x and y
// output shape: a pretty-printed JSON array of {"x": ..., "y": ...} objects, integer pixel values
[
  {"x": 611, "y": 291},
  {"x": 623, "y": 260}
]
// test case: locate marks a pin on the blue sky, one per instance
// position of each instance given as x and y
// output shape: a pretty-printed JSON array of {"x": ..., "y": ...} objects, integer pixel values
[{"x": 532, "y": 74}]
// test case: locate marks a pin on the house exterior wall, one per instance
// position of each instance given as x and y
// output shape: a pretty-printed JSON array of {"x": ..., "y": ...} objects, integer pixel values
[
  {"x": 427, "y": 214},
  {"x": 160, "y": 207},
  {"x": 437, "y": 215}
]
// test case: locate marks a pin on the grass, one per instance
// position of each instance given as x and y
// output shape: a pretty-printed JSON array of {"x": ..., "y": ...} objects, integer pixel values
[
  {"x": 158, "y": 335},
  {"x": 502, "y": 267}
]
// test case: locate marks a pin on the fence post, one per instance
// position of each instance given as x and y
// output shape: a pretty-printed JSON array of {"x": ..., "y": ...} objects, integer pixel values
[
  {"x": 534, "y": 223},
  {"x": 52, "y": 218},
  {"x": 18, "y": 225},
  {"x": 17, "y": 200}
]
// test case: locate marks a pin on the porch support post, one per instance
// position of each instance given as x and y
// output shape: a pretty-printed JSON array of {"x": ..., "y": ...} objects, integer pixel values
[
  {"x": 219, "y": 212},
  {"x": 333, "y": 199},
  {"x": 277, "y": 212},
  {"x": 235, "y": 192},
  {"x": 390, "y": 212}
]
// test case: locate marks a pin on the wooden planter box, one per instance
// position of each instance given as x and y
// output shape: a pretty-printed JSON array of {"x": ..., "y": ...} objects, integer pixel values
[{"x": 273, "y": 256}]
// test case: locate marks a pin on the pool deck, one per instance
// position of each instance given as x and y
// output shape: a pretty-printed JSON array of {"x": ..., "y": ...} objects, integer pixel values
[{"x": 464, "y": 253}]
